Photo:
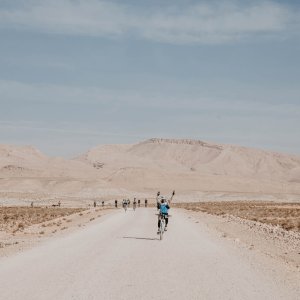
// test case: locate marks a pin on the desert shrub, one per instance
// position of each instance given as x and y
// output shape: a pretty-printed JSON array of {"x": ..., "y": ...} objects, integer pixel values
[{"x": 286, "y": 215}]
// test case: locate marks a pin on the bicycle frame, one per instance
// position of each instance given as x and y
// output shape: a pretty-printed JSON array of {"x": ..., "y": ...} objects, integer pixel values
[{"x": 162, "y": 225}]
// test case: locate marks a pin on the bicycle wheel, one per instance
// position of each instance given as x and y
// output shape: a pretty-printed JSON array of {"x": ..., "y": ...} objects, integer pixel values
[{"x": 162, "y": 229}]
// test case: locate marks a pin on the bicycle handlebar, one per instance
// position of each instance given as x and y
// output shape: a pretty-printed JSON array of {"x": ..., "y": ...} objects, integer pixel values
[{"x": 160, "y": 214}]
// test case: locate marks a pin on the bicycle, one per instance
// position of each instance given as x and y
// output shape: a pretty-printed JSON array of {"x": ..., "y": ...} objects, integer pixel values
[{"x": 162, "y": 218}]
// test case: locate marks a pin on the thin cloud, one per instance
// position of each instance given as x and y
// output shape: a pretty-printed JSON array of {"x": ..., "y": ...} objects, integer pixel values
[
  {"x": 205, "y": 23},
  {"x": 37, "y": 126},
  {"x": 114, "y": 101}
]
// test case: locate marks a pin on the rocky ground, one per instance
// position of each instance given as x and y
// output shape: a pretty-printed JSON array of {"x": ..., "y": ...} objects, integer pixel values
[
  {"x": 263, "y": 235},
  {"x": 24, "y": 227}
]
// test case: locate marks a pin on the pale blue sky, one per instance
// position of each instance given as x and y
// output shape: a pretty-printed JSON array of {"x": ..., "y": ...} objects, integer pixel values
[{"x": 75, "y": 74}]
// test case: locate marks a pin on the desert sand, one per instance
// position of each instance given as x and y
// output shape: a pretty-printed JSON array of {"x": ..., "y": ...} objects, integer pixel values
[
  {"x": 236, "y": 250},
  {"x": 197, "y": 170},
  {"x": 119, "y": 256}
]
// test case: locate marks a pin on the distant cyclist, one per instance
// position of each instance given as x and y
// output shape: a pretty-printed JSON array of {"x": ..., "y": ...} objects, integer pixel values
[
  {"x": 116, "y": 203},
  {"x": 134, "y": 204},
  {"x": 139, "y": 203},
  {"x": 146, "y": 202},
  {"x": 163, "y": 204},
  {"x": 124, "y": 204}
]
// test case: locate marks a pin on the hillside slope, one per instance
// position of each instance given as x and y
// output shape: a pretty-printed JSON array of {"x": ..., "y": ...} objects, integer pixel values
[
  {"x": 24, "y": 169},
  {"x": 194, "y": 168},
  {"x": 193, "y": 165},
  {"x": 193, "y": 155}
]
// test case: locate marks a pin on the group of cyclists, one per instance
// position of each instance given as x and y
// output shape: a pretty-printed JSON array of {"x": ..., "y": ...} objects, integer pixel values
[
  {"x": 126, "y": 203},
  {"x": 162, "y": 204}
]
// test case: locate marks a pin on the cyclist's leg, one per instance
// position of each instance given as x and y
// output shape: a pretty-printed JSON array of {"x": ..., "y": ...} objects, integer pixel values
[
  {"x": 167, "y": 220},
  {"x": 158, "y": 225}
]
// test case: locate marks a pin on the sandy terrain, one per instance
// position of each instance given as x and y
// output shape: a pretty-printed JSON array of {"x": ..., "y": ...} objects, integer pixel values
[
  {"x": 273, "y": 241},
  {"x": 247, "y": 248},
  {"x": 196, "y": 169},
  {"x": 119, "y": 256},
  {"x": 40, "y": 224},
  {"x": 17, "y": 218},
  {"x": 281, "y": 215}
]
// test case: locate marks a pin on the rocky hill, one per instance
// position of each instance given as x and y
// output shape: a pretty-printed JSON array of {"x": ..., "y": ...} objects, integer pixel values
[
  {"x": 192, "y": 165},
  {"x": 196, "y": 169},
  {"x": 197, "y": 157}
]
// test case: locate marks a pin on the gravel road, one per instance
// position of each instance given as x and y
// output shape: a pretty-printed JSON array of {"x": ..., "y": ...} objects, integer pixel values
[{"x": 120, "y": 257}]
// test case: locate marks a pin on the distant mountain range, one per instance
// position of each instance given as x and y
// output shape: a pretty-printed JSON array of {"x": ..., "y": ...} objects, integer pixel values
[{"x": 194, "y": 168}]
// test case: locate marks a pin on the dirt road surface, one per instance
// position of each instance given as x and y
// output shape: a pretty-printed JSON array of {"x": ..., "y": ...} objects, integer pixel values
[{"x": 120, "y": 257}]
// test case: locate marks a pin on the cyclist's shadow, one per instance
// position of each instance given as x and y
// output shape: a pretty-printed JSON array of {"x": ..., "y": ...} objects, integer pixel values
[{"x": 140, "y": 238}]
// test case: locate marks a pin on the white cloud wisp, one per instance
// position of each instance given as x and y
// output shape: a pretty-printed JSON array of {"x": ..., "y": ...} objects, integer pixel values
[{"x": 205, "y": 23}]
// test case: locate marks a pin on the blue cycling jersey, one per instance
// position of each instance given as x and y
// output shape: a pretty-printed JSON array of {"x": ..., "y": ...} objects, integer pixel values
[{"x": 164, "y": 207}]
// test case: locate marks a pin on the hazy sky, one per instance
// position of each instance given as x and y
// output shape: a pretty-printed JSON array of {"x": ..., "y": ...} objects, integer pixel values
[{"x": 78, "y": 73}]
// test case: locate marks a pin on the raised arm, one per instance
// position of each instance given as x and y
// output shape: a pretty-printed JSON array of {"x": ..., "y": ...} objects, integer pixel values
[
  {"x": 171, "y": 198},
  {"x": 157, "y": 200},
  {"x": 157, "y": 197}
]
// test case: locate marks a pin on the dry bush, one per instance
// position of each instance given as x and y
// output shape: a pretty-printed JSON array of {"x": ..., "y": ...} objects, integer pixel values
[
  {"x": 285, "y": 215},
  {"x": 13, "y": 219},
  {"x": 20, "y": 226}
]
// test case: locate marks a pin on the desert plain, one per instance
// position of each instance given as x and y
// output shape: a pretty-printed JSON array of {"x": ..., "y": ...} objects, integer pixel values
[{"x": 234, "y": 229}]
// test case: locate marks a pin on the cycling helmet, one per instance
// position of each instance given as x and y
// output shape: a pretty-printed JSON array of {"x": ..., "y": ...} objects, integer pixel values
[{"x": 163, "y": 199}]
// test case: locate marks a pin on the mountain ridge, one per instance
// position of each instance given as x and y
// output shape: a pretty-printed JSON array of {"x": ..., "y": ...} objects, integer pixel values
[{"x": 189, "y": 166}]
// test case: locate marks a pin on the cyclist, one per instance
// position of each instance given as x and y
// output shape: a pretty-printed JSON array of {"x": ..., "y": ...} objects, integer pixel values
[
  {"x": 163, "y": 205},
  {"x": 139, "y": 202},
  {"x": 134, "y": 204},
  {"x": 116, "y": 203},
  {"x": 146, "y": 202},
  {"x": 124, "y": 204}
]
